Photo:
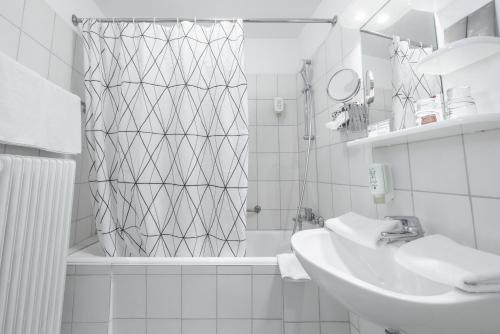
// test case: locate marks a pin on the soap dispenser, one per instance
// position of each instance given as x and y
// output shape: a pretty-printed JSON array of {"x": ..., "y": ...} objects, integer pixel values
[{"x": 380, "y": 180}]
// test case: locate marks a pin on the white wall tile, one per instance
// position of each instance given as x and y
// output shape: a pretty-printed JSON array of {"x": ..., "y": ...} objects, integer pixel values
[
  {"x": 12, "y": 11},
  {"x": 234, "y": 270},
  {"x": 84, "y": 201},
  {"x": 288, "y": 139},
  {"x": 401, "y": 205},
  {"x": 69, "y": 290},
  {"x": 333, "y": 48},
  {"x": 330, "y": 309},
  {"x": 289, "y": 166},
  {"x": 362, "y": 202},
  {"x": 367, "y": 327},
  {"x": 335, "y": 328},
  {"x": 129, "y": 296},
  {"x": 231, "y": 326},
  {"x": 90, "y": 328},
  {"x": 33, "y": 55},
  {"x": 129, "y": 326},
  {"x": 270, "y": 220},
  {"x": 301, "y": 301},
  {"x": 323, "y": 134},
  {"x": 128, "y": 269},
  {"x": 359, "y": 159},
  {"x": 324, "y": 168},
  {"x": 341, "y": 196},
  {"x": 483, "y": 162},
  {"x": 397, "y": 157},
  {"x": 164, "y": 296},
  {"x": 199, "y": 296},
  {"x": 289, "y": 115},
  {"x": 267, "y": 297},
  {"x": 449, "y": 215},
  {"x": 252, "y": 86},
  {"x": 287, "y": 217},
  {"x": 60, "y": 73},
  {"x": 38, "y": 21},
  {"x": 199, "y": 270},
  {"x": 267, "y": 139},
  {"x": 163, "y": 270},
  {"x": 164, "y": 326},
  {"x": 91, "y": 299},
  {"x": 83, "y": 229},
  {"x": 289, "y": 194},
  {"x": 339, "y": 164},
  {"x": 265, "y": 113},
  {"x": 302, "y": 328},
  {"x": 269, "y": 194},
  {"x": 234, "y": 296},
  {"x": 199, "y": 326},
  {"x": 287, "y": 87},
  {"x": 266, "y": 86},
  {"x": 252, "y": 139},
  {"x": 268, "y": 166},
  {"x": 63, "y": 45},
  {"x": 439, "y": 165},
  {"x": 252, "y": 112},
  {"x": 325, "y": 201},
  {"x": 9, "y": 38},
  {"x": 267, "y": 327},
  {"x": 252, "y": 167},
  {"x": 487, "y": 223}
]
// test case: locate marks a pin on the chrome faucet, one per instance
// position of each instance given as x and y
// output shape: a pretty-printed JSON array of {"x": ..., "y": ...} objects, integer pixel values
[
  {"x": 409, "y": 229},
  {"x": 310, "y": 217}
]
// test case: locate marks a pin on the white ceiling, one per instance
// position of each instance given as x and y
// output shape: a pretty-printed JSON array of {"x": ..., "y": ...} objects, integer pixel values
[{"x": 219, "y": 8}]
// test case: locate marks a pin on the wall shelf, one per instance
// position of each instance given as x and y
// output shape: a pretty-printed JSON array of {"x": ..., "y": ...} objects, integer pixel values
[
  {"x": 467, "y": 124},
  {"x": 459, "y": 54}
]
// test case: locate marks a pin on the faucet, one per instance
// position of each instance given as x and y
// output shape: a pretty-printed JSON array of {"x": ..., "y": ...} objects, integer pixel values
[
  {"x": 309, "y": 216},
  {"x": 408, "y": 230}
]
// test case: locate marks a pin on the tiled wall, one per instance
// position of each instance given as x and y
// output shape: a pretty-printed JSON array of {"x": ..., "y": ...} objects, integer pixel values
[
  {"x": 35, "y": 36},
  {"x": 273, "y": 160},
  {"x": 194, "y": 300},
  {"x": 452, "y": 184}
]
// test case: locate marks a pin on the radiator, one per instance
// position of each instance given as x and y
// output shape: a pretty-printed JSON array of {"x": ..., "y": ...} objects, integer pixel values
[{"x": 36, "y": 196}]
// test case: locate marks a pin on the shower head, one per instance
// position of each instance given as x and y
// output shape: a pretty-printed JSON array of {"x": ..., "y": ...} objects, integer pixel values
[{"x": 305, "y": 73}]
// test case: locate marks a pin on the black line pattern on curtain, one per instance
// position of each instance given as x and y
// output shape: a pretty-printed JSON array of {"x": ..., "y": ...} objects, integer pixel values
[
  {"x": 408, "y": 85},
  {"x": 167, "y": 135}
]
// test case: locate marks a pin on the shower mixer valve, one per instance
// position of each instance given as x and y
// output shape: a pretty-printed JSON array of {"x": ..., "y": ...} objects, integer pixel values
[{"x": 309, "y": 216}]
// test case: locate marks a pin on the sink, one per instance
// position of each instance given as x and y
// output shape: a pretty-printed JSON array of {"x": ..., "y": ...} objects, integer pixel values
[{"x": 371, "y": 284}]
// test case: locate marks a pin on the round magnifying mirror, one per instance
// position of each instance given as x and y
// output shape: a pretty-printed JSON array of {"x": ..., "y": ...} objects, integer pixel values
[{"x": 344, "y": 85}]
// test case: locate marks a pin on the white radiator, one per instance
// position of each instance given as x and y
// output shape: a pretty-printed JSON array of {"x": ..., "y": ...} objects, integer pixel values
[{"x": 36, "y": 196}]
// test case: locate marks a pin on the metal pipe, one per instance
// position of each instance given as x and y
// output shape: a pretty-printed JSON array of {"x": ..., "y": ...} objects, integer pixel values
[
  {"x": 256, "y": 209},
  {"x": 378, "y": 34},
  {"x": 333, "y": 21}
]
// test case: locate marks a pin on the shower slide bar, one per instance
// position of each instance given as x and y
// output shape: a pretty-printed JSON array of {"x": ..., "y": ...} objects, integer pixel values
[{"x": 333, "y": 21}]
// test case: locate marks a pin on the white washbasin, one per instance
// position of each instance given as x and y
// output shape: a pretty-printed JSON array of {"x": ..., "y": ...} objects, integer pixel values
[{"x": 370, "y": 283}]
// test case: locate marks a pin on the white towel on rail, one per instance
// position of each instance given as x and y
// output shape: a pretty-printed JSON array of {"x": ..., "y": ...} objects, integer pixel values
[
  {"x": 35, "y": 112},
  {"x": 443, "y": 260},
  {"x": 359, "y": 229},
  {"x": 291, "y": 269}
]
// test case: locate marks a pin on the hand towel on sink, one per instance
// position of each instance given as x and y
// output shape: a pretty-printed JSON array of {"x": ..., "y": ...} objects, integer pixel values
[
  {"x": 443, "y": 260},
  {"x": 291, "y": 269},
  {"x": 359, "y": 229}
]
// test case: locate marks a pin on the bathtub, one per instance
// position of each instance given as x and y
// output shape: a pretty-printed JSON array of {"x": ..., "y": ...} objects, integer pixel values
[
  {"x": 118, "y": 295},
  {"x": 262, "y": 248}
]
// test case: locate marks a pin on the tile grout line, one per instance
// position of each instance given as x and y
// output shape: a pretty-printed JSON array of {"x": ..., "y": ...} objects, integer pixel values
[{"x": 474, "y": 227}]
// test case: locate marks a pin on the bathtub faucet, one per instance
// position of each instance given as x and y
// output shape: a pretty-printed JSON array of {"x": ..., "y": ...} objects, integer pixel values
[
  {"x": 309, "y": 216},
  {"x": 409, "y": 228}
]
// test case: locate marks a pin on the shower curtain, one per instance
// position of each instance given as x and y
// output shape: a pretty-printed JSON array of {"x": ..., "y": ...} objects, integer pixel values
[
  {"x": 167, "y": 133},
  {"x": 408, "y": 84}
]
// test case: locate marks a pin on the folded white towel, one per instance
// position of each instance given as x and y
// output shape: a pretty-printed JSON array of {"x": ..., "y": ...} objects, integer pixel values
[
  {"x": 359, "y": 229},
  {"x": 443, "y": 260},
  {"x": 291, "y": 269},
  {"x": 34, "y": 112}
]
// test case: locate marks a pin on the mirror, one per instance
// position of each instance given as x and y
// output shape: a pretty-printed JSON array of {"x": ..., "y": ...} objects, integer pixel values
[
  {"x": 393, "y": 42},
  {"x": 344, "y": 85}
]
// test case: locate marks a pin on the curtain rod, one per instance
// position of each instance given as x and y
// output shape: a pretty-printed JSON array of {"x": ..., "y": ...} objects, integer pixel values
[
  {"x": 333, "y": 21},
  {"x": 378, "y": 34}
]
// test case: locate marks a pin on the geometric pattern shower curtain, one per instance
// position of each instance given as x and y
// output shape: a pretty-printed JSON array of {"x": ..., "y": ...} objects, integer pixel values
[
  {"x": 408, "y": 84},
  {"x": 167, "y": 132}
]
